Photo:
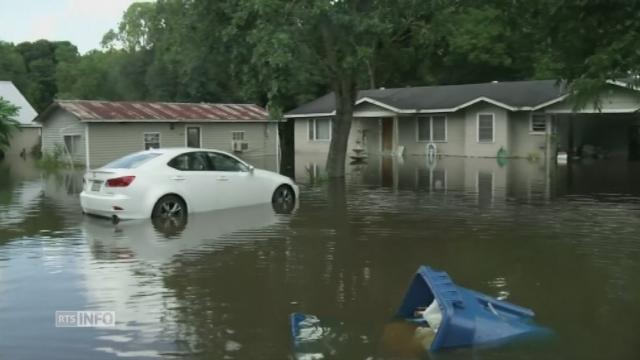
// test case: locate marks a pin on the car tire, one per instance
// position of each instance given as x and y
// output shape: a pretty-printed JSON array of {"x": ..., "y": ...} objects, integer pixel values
[
  {"x": 169, "y": 206},
  {"x": 283, "y": 199}
]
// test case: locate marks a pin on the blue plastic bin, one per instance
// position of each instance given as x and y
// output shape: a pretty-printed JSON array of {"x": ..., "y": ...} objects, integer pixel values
[{"x": 469, "y": 318}]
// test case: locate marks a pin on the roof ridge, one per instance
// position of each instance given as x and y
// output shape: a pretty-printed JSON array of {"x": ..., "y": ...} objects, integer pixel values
[
  {"x": 153, "y": 102},
  {"x": 452, "y": 85}
]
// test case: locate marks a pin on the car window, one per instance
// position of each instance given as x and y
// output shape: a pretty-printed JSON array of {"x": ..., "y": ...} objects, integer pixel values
[
  {"x": 192, "y": 161},
  {"x": 222, "y": 162},
  {"x": 131, "y": 161}
]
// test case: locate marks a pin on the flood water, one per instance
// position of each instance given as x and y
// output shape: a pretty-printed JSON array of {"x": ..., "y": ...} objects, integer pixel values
[{"x": 563, "y": 241}]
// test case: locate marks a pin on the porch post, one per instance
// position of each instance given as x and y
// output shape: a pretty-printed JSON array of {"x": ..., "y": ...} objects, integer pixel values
[
  {"x": 395, "y": 158},
  {"x": 547, "y": 138},
  {"x": 395, "y": 135},
  {"x": 548, "y": 155},
  {"x": 570, "y": 144}
]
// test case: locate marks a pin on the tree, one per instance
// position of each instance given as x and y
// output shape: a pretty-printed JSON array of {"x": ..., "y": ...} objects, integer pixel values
[
  {"x": 12, "y": 65},
  {"x": 333, "y": 40},
  {"x": 590, "y": 42},
  {"x": 134, "y": 30},
  {"x": 8, "y": 123}
]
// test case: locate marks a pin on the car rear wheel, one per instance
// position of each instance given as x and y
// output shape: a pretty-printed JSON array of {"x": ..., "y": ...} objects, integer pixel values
[
  {"x": 169, "y": 206},
  {"x": 283, "y": 199}
]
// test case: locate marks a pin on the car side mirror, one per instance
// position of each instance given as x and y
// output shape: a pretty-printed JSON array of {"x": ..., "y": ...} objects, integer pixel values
[{"x": 250, "y": 169}]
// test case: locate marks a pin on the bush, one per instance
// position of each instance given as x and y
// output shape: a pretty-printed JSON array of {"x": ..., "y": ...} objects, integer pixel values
[{"x": 52, "y": 160}]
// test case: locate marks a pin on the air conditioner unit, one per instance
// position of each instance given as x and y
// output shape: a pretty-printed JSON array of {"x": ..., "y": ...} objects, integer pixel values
[{"x": 239, "y": 146}]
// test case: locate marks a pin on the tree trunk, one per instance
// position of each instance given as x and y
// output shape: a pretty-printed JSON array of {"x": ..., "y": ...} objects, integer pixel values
[{"x": 345, "y": 94}]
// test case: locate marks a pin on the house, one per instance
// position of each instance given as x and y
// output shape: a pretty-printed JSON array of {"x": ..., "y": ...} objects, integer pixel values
[
  {"x": 92, "y": 133},
  {"x": 524, "y": 118},
  {"x": 24, "y": 140}
]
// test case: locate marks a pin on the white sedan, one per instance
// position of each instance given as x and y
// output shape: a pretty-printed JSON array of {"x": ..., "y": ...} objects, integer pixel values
[{"x": 174, "y": 181}]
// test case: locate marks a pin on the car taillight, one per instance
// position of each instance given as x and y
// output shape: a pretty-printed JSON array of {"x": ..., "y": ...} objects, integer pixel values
[{"x": 122, "y": 181}]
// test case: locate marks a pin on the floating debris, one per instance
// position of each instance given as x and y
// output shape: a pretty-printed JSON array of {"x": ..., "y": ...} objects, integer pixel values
[{"x": 458, "y": 317}]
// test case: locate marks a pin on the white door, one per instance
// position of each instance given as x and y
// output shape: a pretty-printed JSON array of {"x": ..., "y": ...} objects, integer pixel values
[{"x": 240, "y": 187}]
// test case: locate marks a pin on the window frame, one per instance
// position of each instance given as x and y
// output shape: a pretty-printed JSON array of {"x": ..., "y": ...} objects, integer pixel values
[
  {"x": 546, "y": 123},
  {"x": 430, "y": 117},
  {"x": 244, "y": 167},
  {"x": 186, "y": 135},
  {"x": 192, "y": 153},
  {"x": 144, "y": 140},
  {"x": 233, "y": 132},
  {"x": 72, "y": 136},
  {"x": 493, "y": 128},
  {"x": 315, "y": 129}
]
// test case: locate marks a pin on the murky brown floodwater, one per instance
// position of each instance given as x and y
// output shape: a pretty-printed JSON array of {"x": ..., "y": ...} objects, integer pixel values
[{"x": 222, "y": 286}]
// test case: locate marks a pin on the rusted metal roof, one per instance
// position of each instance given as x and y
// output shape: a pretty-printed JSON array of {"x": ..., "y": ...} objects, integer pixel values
[{"x": 126, "y": 111}]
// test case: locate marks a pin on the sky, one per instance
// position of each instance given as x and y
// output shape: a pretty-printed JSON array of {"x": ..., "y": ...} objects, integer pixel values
[{"x": 83, "y": 22}]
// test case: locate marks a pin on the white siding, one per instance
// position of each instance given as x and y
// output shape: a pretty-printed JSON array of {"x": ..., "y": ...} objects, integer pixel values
[
  {"x": 455, "y": 135},
  {"x": 61, "y": 123},
  {"x": 370, "y": 126},
  {"x": 501, "y": 131},
  {"x": 370, "y": 110},
  {"x": 302, "y": 142},
  {"x": 25, "y": 138},
  {"x": 109, "y": 141},
  {"x": 522, "y": 142}
]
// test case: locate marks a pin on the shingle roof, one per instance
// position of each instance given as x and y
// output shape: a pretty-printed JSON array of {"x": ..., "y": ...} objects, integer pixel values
[
  {"x": 26, "y": 113},
  {"x": 515, "y": 94},
  {"x": 125, "y": 111}
]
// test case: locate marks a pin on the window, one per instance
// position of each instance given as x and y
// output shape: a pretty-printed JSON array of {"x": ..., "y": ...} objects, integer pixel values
[
  {"x": 319, "y": 129},
  {"x": 237, "y": 135},
  {"x": 131, "y": 161},
  {"x": 485, "y": 128},
  {"x": 151, "y": 141},
  {"x": 424, "y": 128},
  {"x": 193, "y": 137},
  {"x": 484, "y": 188},
  {"x": 72, "y": 144},
  {"x": 432, "y": 128},
  {"x": 538, "y": 123},
  {"x": 222, "y": 162},
  {"x": 193, "y": 161}
]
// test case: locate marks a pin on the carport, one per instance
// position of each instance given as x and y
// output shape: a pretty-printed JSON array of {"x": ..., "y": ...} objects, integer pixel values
[
  {"x": 599, "y": 135},
  {"x": 609, "y": 127}
]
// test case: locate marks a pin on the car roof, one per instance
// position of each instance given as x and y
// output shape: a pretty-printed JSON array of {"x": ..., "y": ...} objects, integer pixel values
[
  {"x": 179, "y": 150},
  {"x": 172, "y": 152}
]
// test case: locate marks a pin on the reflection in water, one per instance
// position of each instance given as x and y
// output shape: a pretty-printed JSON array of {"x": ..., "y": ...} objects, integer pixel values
[
  {"x": 223, "y": 284},
  {"x": 131, "y": 260},
  {"x": 157, "y": 242}
]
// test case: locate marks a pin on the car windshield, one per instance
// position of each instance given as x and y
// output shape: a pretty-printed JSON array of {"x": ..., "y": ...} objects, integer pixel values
[{"x": 131, "y": 161}]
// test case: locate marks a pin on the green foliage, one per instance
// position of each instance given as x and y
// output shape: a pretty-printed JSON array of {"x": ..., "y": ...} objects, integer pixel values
[
  {"x": 281, "y": 53},
  {"x": 8, "y": 123},
  {"x": 53, "y": 160}
]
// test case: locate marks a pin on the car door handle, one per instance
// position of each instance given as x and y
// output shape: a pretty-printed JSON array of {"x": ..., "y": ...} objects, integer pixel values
[
  {"x": 178, "y": 178},
  {"x": 222, "y": 178}
]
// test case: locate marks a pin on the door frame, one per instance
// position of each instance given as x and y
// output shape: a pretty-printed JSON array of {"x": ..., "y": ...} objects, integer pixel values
[
  {"x": 186, "y": 135},
  {"x": 633, "y": 147},
  {"x": 382, "y": 138}
]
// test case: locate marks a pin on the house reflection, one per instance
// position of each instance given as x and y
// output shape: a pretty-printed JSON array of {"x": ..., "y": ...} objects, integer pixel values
[{"x": 485, "y": 178}]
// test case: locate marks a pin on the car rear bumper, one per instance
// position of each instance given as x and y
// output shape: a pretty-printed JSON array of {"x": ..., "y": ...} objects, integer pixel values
[{"x": 122, "y": 206}]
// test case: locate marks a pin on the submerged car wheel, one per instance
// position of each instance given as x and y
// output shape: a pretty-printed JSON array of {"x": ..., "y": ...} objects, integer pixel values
[
  {"x": 169, "y": 206},
  {"x": 169, "y": 227},
  {"x": 283, "y": 199}
]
